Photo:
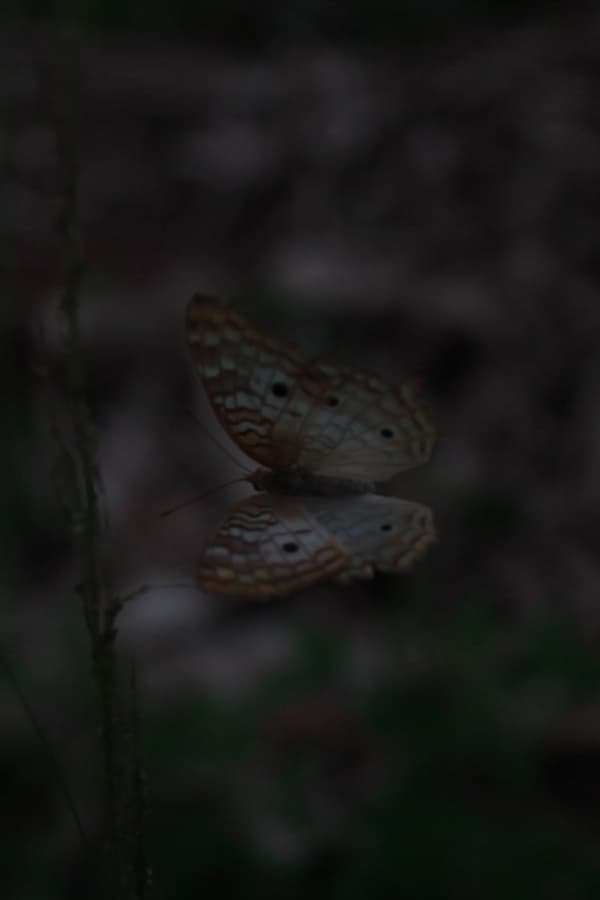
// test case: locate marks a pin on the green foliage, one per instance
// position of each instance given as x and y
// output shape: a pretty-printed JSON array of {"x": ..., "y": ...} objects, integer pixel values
[
  {"x": 437, "y": 783},
  {"x": 464, "y": 807}
]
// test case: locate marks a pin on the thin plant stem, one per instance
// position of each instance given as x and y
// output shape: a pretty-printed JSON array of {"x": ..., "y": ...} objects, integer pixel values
[{"x": 124, "y": 809}]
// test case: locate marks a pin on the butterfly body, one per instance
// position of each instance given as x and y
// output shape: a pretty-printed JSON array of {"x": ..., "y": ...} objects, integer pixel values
[
  {"x": 300, "y": 482},
  {"x": 324, "y": 436}
]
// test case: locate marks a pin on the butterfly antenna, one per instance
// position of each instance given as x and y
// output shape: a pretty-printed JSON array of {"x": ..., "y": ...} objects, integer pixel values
[
  {"x": 212, "y": 490},
  {"x": 215, "y": 441}
]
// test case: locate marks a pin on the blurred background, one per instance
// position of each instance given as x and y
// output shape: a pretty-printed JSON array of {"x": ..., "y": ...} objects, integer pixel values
[{"x": 406, "y": 188}]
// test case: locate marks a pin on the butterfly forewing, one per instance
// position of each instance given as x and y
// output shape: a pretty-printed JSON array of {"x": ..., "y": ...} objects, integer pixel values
[
  {"x": 363, "y": 428},
  {"x": 284, "y": 411},
  {"x": 239, "y": 367}
]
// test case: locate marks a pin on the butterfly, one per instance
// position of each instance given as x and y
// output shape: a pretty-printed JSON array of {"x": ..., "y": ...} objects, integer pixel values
[{"x": 324, "y": 437}]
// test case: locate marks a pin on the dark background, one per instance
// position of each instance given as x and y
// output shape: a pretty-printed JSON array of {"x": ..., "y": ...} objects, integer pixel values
[{"x": 405, "y": 189}]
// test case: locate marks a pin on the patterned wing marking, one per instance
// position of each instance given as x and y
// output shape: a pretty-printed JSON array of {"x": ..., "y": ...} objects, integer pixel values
[
  {"x": 365, "y": 429},
  {"x": 257, "y": 387},
  {"x": 265, "y": 547}
]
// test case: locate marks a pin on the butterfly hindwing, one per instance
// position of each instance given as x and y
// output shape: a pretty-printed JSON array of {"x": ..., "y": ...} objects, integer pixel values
[
  {"x": 267, "y": 546},
  {"x": 379, "y": 534},
  {"x": 272, "y": 545}
]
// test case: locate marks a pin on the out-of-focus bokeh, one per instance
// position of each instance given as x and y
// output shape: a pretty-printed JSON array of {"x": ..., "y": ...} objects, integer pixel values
[{"x": 405, "y": 189}]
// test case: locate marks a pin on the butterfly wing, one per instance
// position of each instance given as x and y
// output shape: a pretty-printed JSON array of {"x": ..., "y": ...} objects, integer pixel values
[
  {"x": 378, "y": 534},
  {"x": 257, "y": 387},
  {"x": 267, "y": 546},
  {"x": 284, "y": 411},
  {"x": 362, "y": 428},
  {"x": 272, "y": 545}
]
